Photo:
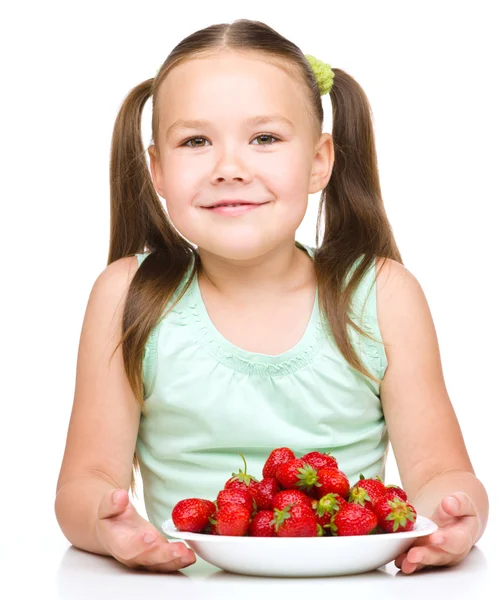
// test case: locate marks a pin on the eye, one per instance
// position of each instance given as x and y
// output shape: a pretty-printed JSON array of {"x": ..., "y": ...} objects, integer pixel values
[
  {"x": 192, "y": 139},
  {"x": 266, "y": 135},
  {"x": 262, "y": 135}
]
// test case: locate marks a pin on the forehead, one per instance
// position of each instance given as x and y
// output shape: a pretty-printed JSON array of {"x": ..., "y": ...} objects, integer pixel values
[{"x": 230, "y": 84}]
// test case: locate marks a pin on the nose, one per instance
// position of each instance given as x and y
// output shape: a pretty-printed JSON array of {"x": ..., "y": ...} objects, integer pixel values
[{"x": 229, "y": 167}]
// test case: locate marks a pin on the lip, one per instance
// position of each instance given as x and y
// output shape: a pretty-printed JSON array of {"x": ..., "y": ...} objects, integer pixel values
[
  {"x": 225, "y": 201},
  {"x": 232, "y": 211}
]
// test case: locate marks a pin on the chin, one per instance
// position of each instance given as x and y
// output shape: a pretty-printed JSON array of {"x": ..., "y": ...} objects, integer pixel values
[{"x": 241, "y": 250}]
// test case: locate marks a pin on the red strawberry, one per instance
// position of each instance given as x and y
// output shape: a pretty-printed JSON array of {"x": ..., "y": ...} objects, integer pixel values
[
  {"x": 326, "y": 508},
  {"x": 332, "y": 481},
  {"x": 352, "y": 519},
  {"x": 292, "y": 497},
  {"x": 211, "y": 505},
  {"x": 278, "y": 457},
  {"x": 231, "y": 519},
  {"x": 318, "y": 460},
  {"x": 235, "y": 496},
  {"x": 241, "y": 480},
  {"x": 261, "y": 524},
  {"x": 296, "y": 474},
  {"x": 395, "y": 490},
  {"x": 210, "y": 529},
  {"x": 295, "y": 521},
  {"x": 264, "y": 492},
  {"x": 366, "y": 492},
  {"x": 192, "y": 514},
  {"x": 395, "y": 515}
]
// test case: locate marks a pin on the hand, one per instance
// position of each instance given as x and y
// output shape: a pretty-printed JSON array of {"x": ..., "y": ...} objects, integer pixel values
[
  {"x": 134, "y": 541},
  {"x": 458, "y": 529}
]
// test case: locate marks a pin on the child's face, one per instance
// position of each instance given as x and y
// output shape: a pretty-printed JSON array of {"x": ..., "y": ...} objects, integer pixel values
[{"x": 231, "y": 159}]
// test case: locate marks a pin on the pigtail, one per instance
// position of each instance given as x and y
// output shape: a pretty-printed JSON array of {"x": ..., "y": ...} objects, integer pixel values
[
  {"x": 356, "y": 224},
  {"x": 136, "y": 216},
  {"x": 137, "y": 222}
]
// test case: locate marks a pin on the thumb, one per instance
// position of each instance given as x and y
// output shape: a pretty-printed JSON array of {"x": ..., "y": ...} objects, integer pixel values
[
  {"x": 446, "y": 512},
  {"x": 113, "y": 503}
]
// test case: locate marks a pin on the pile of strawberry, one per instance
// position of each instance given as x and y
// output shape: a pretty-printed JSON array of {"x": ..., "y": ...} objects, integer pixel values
[{"x": 298, "y": 497}]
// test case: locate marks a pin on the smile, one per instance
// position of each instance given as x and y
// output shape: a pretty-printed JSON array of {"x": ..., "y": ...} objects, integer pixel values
[{"x": 235, "y": 210}]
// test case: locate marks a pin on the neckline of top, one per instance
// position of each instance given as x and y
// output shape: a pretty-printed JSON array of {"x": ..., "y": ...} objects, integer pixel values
[{"x": 210, "y": 337}]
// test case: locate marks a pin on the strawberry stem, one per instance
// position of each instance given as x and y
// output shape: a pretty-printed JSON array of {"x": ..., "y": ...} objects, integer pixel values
[{"x": 243, "y": 461}]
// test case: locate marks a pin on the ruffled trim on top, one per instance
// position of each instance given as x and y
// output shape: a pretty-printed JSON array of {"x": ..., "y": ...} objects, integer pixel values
[{"x": 206, "y": 339}]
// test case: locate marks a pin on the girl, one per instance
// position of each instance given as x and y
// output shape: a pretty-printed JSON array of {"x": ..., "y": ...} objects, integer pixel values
[{"x": 214, "y": 332}]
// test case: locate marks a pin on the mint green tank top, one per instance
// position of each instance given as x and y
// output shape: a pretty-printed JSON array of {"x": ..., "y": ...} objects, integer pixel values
[{"x": 207, "y": 400}]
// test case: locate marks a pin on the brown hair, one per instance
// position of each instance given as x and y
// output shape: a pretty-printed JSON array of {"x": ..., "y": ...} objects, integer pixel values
[{"x": 355, "y": 222}]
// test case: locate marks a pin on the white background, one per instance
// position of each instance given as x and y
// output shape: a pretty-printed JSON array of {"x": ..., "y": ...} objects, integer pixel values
[{"x": 433, "y": 74}]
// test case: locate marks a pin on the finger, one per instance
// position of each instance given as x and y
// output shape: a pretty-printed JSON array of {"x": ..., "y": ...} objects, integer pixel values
[
  {"x": 421, "y": 541},
  {"x": 452, "y": 507},
  {"x": 170, "y": 566},
  {"x": 442, "y": 515},
  {"x": 166, "y": 556},
  {"x": 426, "y": 556},
  {"x": 127, "y": 544},
  {"x": 457, "y": 538},
  {"x": 164, "y": 551},
  {"x": 113, "y": 504},
  {"x": 459, "y": 504},
  {"x": 399, "y": 560}
]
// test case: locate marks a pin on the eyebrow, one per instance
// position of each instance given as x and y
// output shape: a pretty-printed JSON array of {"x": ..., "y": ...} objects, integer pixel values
[{"x": 200, "y": 123}]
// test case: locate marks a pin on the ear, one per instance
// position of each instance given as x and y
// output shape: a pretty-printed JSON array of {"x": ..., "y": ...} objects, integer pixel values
[
  {"x": 323, "y": 161},
  {"x": 155, "y": 169}
]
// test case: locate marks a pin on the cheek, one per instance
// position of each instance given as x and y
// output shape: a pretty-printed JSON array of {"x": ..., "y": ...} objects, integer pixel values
[
  {"x": 289, "y": 176},
  {"x": 181, "y": 175}
]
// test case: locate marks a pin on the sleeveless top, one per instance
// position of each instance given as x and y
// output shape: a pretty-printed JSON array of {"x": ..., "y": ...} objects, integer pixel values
[{"x": 207, "y": 400}]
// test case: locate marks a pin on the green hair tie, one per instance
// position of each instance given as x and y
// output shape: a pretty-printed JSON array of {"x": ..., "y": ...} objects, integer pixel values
[{"x": 323, "y": 73}]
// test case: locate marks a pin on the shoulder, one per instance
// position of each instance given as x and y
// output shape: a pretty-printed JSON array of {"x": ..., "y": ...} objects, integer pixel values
[
  {"x": 400, "y": 298},
  {"x": 391, "y": 274},
  {"x": 113, "y": 282},
  {"x": 120, "y": 271}
]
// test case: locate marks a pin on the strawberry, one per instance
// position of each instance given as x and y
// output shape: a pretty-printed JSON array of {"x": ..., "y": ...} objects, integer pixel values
[
  {"x": 278, "y": 457},
  {"x": 326, "y": 508},
  {"x": 395, "y": 490},
  {"x": 333, "y": 481},
  {"x": 212, "y": 506},
  {"x": 395, "y": 515},
  {"x": 261, "y": 524},
  {"x": 366, "y": 492},
  {"x": 352, "y": 519},
  {"x": 295, "y": 521},
  {"x": 242, "y": 479},
  {"x": 264, "y": 492},
  {"x": 231, "y": 519},
  {"x": 296, "y": 474},
  {"x": 235, "y": 496},
  {"x": 292, "y": 497},
  {"x": 210, "y": 529},
  {"x": 192, "y": 514},
  {"x": 318, "y": 460}
]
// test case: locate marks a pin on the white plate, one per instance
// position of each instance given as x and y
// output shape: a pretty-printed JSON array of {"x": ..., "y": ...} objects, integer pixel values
[{"x": 304, "y": 556}]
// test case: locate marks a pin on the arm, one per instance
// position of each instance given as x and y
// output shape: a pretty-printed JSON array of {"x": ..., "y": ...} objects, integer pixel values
[
  {"x": 105, "y": 416},
  {"x": 92, "y": 503},
  {"x": 428, "y": 444}
]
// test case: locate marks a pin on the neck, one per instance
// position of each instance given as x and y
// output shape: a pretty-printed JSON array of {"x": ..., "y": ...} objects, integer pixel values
[{"x": 268, "y": 275}]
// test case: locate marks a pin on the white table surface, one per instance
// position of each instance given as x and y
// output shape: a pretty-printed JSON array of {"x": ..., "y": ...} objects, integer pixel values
[{"x": 46, "y": 565}]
